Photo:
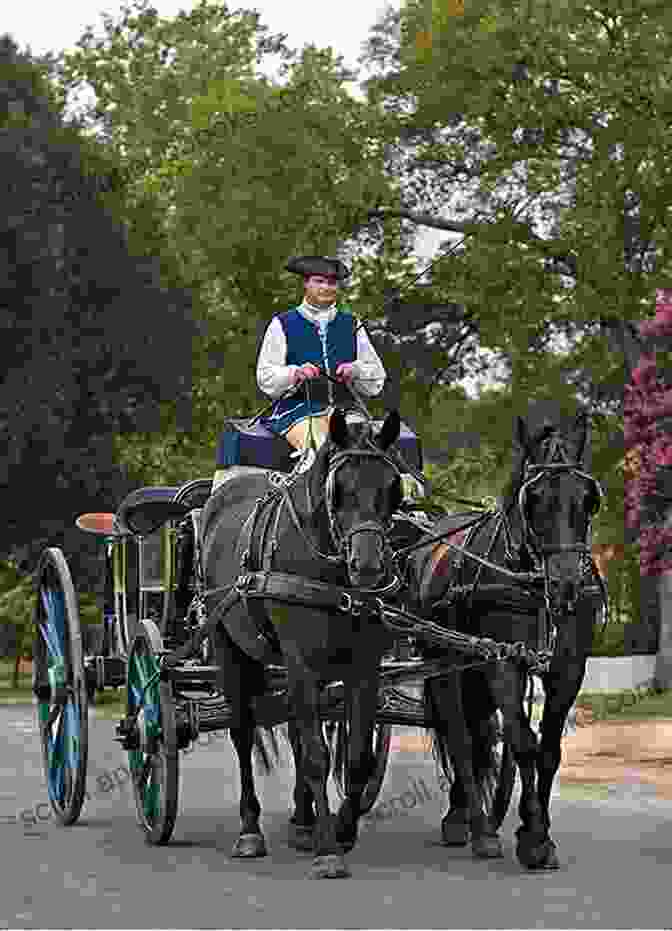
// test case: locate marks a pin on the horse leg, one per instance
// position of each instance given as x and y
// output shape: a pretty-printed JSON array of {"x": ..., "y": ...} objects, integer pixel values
[
  {"x": 466, "y": 815},
  {"x": 561, "y": 691},
  {"x": 302, "y": 822},
  {"x": 235, "y": 669},
  {"x": 250, "y": 842},
  {"x": 534, "y": 848},
  {"x": 304, "y": 694},
  {"x": 455, "y": 823},
  {"x": 362, "y": 704}
]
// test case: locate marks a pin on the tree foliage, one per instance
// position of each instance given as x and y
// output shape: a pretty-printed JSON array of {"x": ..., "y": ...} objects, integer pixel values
[
  {"x": 550, "y": 160},
  {"x": 93, "y": 342},
  {"x": 242, "y": 171}
]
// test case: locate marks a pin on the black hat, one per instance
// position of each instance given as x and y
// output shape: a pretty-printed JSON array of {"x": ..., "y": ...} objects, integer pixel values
[{"x": 317, "y": 265}]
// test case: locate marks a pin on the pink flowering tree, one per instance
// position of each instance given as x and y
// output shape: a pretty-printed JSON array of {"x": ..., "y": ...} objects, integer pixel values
[{"x": 648, "y": 442}]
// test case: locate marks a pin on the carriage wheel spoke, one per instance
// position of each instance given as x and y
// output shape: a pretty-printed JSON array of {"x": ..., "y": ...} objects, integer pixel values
[
  {"x": 152, "y": 789},
  {"x": 57, "y": 760}
]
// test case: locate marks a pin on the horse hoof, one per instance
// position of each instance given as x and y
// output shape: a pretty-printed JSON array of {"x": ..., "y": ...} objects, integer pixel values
[
  {"x": 454, "y": 831},
  {"x": 301, "y": 837},
  {"x": 249, "y": 845},
  {"x": 347, "y": 838},
  {"x": 329, "y": 866},
  {"x": 487, "y": 847},
  {"x": 537, "y": 853}
]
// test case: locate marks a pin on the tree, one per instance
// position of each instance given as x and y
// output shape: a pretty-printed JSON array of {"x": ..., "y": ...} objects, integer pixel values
[
  {"x": 92, "y": 344},
  {"x": 549, "y": 160},
  {"x": 282, "y": 168}
]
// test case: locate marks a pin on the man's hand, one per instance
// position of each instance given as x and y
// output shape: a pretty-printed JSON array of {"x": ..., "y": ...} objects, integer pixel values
[
  {"x": 306, "y": 371},
  {"x": 345, "y": 371}
]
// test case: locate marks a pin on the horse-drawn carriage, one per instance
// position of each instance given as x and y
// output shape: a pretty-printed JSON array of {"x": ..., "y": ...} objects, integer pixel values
[{"x": 168, "y": 599}]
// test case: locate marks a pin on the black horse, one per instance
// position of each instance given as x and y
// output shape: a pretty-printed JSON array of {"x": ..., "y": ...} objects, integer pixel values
[
  {"x": 542, "y": 526},
  {"x": 329, "y": 525}
]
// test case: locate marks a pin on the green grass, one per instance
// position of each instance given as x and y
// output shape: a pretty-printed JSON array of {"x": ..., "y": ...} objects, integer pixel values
[
  {"x": 8, "y": 695},
  {"x": 110, "y": 703},
  {"x": 632, "y": 704}
]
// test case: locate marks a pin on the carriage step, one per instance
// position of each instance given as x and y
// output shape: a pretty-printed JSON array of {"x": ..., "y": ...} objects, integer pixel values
[{"x": 182, "y": 673}]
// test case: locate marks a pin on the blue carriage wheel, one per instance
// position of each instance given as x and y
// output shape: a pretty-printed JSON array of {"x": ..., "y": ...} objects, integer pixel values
[
  {"x": 153, "y": 757},
  {"x": 59, "y": 684},
  {"x": 380, "y": 748}
]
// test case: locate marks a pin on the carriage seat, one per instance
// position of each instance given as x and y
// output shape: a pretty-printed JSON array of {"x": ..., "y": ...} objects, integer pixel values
[
  {"x": 145, "y": 510},
  {"x": 256, "y": 445}
]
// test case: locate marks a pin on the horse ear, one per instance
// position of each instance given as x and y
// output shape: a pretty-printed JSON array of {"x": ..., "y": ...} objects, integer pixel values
[
  {"x": 521, "y": 433},
  {"x": 338, "y": 429},
  {"x": 389, "y": 432}
]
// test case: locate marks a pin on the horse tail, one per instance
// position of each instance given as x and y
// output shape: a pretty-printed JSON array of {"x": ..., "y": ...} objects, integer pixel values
[{"x": 266, "y": 748}]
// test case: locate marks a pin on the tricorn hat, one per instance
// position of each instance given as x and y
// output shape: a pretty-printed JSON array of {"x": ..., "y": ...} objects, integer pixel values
[{"x": 317, "y": 265}]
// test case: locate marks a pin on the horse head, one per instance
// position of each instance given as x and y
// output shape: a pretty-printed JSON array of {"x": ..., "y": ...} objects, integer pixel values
[
  {"x": 362, "y": 490},
  {"x": 556, "y": 500}
]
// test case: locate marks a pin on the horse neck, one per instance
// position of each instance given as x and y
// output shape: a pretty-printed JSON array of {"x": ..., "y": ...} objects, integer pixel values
[{"x": 307, "y": 494}]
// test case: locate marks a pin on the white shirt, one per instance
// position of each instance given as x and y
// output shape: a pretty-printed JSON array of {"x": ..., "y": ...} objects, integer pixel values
[{"x": 275, "y": 377}]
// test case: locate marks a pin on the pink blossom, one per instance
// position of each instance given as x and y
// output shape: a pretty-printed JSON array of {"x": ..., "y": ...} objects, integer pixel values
[{"x": 646, "y": 401}]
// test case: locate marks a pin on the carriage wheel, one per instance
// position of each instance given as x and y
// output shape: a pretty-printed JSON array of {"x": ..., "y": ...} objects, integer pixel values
[
  {"x": 382, "y": 736},
  {"x": 60, "y": 687},
  {"x": 153, "y": 752},
  {"x": 498, "y": 787}
]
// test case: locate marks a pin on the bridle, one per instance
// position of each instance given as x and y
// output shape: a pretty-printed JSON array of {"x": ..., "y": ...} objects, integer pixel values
[
  {"x": 540, "y": 552},
  {"x": 341, "y": 539}
]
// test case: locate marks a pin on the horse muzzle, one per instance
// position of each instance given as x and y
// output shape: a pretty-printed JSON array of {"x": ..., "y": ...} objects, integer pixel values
[{"x": 368, "y": 556}]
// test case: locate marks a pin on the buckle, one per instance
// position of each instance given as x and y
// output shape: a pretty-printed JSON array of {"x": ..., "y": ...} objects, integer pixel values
[
  {"x": 346, "y": 603},
  {"x": 244, "y": 582},
  {"x": 349, "y": 605}
]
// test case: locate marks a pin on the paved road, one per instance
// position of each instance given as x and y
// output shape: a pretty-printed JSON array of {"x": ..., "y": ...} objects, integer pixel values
[{"x": 616, "y": 854}]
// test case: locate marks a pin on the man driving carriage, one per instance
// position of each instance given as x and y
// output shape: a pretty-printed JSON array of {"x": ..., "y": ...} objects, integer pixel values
[
  {"x": 304, "y": 343},
  {"x": 315, "y": 337}
]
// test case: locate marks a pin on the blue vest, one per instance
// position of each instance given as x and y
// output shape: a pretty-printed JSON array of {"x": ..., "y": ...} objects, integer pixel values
[{"x": 306, "y": 344}]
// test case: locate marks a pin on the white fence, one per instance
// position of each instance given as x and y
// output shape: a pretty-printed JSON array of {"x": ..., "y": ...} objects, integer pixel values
[
  {"x": 615, "y": 673},
  {"x": 612, "y": 674}
]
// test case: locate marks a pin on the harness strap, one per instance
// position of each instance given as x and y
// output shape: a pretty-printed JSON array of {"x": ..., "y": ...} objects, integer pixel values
[
  {"x": 194, "y": 643},
  {"x": 295, "y": 589}
]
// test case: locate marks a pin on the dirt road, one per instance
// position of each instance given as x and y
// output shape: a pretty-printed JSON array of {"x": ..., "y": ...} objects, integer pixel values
[{"x": 620, "y": 753}]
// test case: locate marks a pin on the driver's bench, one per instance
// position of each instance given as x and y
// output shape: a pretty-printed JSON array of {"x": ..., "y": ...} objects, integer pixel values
[{"x": 242, "y": 444}]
